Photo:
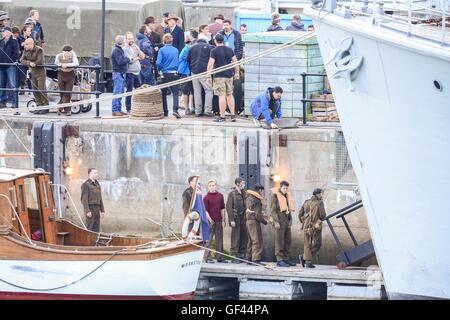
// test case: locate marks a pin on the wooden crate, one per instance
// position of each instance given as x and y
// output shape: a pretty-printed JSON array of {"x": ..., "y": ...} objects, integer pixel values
[{"x": 323, "y": 111}]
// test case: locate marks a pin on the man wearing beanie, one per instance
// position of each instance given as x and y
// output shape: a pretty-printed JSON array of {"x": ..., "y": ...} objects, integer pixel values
[
  {"x": 275, "y": 23},
  {"x": 66, "y": 61}
]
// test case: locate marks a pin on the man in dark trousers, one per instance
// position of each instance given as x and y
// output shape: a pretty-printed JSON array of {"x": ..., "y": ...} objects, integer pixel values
[
  {"x": 254, "y": 217},
  {"x": 236, "y": 217},
  {"x": 176, "y": 32},
  {"x": 198, "y": 58},
  {"x": 91, "y": 198},
  {"x": 311, "y": 215},
  {"x": 167, "y": 64},
  {"x": 215, "y": 208},
  {"x": 9, "y": 53},
  {"x": 281, "y": 209}
]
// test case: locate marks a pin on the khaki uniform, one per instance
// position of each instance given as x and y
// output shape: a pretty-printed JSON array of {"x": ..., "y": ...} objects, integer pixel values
[
  {"x": 38, "y": 74},
  {"x": 310, "y": 216},
  {"x": 235, "y": 208},
  {"x": 282, "y": 214},
  {"x": 91, "y": 198},
  {"x": 254, "y": 218}
]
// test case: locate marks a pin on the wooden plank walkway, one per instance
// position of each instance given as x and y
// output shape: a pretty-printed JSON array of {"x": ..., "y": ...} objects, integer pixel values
[{"x": 325, "y": 274}]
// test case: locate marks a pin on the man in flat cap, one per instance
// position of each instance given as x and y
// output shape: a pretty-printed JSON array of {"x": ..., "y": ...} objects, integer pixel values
[
  {"x": 311, "y": 215},
  {"x": 66, "y": 61}
]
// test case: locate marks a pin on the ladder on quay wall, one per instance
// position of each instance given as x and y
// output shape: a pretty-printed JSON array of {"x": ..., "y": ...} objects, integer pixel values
[{"x": 360, "y": 252}]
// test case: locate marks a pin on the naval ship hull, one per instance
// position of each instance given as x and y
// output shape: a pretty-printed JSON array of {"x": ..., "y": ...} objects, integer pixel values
[{"x": 394, "y": 106}]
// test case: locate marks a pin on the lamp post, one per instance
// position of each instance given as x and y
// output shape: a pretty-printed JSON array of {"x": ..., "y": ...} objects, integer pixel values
[{"x": 102, "y": 48}]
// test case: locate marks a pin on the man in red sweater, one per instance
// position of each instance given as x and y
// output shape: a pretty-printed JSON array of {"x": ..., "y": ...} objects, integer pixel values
[{"x": 215, "y": 209}]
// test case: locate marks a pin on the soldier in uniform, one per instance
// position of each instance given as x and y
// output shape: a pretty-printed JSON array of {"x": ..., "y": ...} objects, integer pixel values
[
  {"x": 281, "y": 209},
  {"x": 311, "y": 215},
  {"x": 91, "y": 198},
  {"x": 236, "y": 217},
  {"x": 254, "y": 217}
]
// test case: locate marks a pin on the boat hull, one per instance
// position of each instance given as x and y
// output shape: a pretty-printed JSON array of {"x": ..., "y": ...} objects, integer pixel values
[
  {"x": 168, "y": 277},
  {"x": 395, "y": 122}
]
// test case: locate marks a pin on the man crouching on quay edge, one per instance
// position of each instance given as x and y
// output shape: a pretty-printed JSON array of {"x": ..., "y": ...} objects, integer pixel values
[{"x": 267, "y": 106}]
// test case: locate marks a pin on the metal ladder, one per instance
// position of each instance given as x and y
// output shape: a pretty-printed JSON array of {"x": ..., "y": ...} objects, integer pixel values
[{"x": 360, "y": 252}]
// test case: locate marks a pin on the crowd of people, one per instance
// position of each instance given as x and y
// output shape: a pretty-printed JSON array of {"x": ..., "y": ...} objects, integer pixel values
[
  {"x": 244, "y": 212},
  {"x": 167, "y": 54},
  {"x": 24, "y": 44},
  {"x": 164, "y": 53},
  {"x": 157, "y": 53}
]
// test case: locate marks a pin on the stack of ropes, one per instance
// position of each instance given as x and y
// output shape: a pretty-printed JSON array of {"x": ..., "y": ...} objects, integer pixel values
[{"x": 147, "y": 105}]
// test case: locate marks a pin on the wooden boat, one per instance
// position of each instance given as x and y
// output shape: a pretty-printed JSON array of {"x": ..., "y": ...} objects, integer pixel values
[{"x": 70, "y": 262}]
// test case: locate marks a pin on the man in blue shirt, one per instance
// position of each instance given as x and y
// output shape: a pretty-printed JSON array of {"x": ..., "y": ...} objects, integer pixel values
[
  {"x": 267, "y": 106},
  {"x": 232, "y": 38},
  {"x": 167, "y": 64},
  {"x": 120, "y": 66}
]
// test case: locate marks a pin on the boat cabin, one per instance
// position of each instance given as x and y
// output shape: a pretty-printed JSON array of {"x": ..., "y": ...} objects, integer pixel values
[{"x": 27, "y": 210}]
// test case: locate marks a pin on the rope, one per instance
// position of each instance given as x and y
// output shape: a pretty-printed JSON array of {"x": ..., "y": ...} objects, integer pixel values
[
  {"x": 212, "y": 250},
  {"x": 187, "y": 79}
]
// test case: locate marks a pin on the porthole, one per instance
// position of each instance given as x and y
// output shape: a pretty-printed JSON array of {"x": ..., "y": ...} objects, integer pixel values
[{"x": 437, "y": 85}]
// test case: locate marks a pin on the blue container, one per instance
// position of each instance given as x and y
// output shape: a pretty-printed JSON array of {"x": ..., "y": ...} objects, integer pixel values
[{"x": 260, "y": 22}]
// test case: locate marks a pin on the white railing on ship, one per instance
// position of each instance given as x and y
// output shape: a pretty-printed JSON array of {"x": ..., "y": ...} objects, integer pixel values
[
  {"x": 58, "y": 191},
  {"x": 411, "y": 6}
]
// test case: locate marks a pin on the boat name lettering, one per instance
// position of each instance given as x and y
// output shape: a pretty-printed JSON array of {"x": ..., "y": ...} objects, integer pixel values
[{"x": 191, "y": 263}]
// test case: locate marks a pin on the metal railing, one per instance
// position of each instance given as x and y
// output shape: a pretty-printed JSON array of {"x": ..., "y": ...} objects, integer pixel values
[
  {"x": 54, "y": 67},
  {"x": 304, "y": 99},
  {"x": 410, "y": 7}
]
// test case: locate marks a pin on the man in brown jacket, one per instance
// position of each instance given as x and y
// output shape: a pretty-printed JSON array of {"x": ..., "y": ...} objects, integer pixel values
[
  {"x": 91, "y": 198},
  {"x": 32, "y": 57},
  {"x": 66, "y": 61},
  {"x": 254, "y": 217},
  {"x": 236, "y": 217},
  {"x": 311, "y": 215},
  {"x": 281, "y": 209}
]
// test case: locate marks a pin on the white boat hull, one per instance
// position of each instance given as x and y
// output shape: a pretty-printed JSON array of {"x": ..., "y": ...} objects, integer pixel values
[
  {"x": 171, "y": 277},
  {"x": 397, "y": 131}
]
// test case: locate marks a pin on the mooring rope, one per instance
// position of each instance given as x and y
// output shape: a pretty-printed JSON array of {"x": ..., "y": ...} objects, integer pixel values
[{"x": 212, "y": 250}]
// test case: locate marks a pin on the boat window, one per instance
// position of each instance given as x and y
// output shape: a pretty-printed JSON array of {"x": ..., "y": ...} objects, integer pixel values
[
  {"x": 13, "y": 196},
  {"x": 31, "y": 193},
  {"x": 44, "y": 187},
  {"x": 21, "y": 198}
]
